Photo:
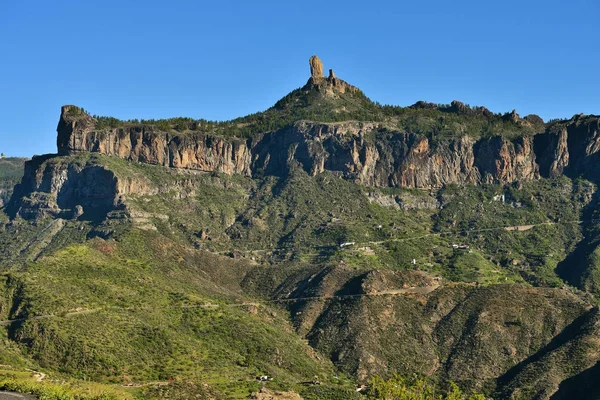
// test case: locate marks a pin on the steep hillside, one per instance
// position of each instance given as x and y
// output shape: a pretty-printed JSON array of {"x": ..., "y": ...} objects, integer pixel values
[
  {"x": 11, "y": 171},
  {"x": 282, "y": 238},
  {"x": 145, "y": 309},
  {"x": 326, "y": 242}
]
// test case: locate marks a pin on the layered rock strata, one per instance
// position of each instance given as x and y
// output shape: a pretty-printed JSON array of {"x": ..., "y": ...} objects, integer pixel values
[{"x": 371, "y": 154}]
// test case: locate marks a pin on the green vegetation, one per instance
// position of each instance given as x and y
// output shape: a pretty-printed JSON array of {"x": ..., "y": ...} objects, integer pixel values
[
  {"x": 401, "y": 388},
  {"x": 180, "y": 390},
  {"x": 305, "y": 219},
  {"x": 127, "y": 317},
  {"x": 60, "y": 389},
  {"x": 300, "y": 104},
  {"x": 555, "y": 207},
  {"x": 136, "y": 281},
  {"x": 318, "y": 104},
  {"x": 11, "y": 171},
  {"x": 151, "y": 302}
]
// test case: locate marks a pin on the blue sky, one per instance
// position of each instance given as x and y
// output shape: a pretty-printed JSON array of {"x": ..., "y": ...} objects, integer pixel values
[{"x": 219, "y": 60}]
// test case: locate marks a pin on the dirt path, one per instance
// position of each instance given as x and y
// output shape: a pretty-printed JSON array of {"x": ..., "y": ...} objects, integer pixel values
[
  {"x": 15, "y": 396},
  {"x": 519, "y": 228},
  {"x": 412, "y": 290},
  {"x": 69, "y": 314},
  {"x": 392, "y": 292},
  {"x": 39, "y": 376},
  {"x": 422, "y": 290}
]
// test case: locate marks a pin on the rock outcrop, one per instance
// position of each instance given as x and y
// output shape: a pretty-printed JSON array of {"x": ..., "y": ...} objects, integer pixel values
[
  {"x": 571, "y": 148},
  {"x": 58, "y": 188},
  {"x": 143, "y": 143},
  {"x": 369, "y": 153},
  {"x": 316, "y": 67}
]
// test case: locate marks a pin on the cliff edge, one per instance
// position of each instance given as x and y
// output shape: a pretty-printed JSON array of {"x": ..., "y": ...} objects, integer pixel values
[{"x": 382, "y": 146}]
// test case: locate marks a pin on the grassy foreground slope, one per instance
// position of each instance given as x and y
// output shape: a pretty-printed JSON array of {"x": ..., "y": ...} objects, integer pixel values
[{"x": 143, "y": 310}]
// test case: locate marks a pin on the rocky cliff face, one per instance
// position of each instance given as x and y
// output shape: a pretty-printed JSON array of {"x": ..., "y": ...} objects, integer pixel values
[
  {"x": 368, "y": 153},
  {"x": 570, "y": 148},
  {"x": 62, "y": 187},
  {"x": 372, "y": 154},
  {"x": 58, "y": 188},
  {"x": 76, "y": 132}
]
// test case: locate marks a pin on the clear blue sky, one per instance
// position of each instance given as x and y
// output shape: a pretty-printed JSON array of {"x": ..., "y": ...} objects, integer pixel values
[{"x": 223, "y": 59}]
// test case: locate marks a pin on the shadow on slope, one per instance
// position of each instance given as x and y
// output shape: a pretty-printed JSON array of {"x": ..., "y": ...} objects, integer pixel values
[
  {"x": 584, "y": 385},
  {"x": 559, "y": 340},
  {"x": 576, "y": 268}
]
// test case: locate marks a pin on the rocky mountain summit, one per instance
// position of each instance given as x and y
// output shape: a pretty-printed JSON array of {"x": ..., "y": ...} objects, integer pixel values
[
  {"x": 380, "y": 151},
  {"x": 375, "y": 153}
]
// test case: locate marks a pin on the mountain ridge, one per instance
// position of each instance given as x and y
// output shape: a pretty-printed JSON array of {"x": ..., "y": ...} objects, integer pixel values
[
  {"x": 478, "y": 147},
  {"x": 360, "y": 151},
  {"x": 438, "y": 241}
]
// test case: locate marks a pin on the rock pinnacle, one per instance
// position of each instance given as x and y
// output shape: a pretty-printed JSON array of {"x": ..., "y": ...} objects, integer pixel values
[{"x": 316, "y": 67}]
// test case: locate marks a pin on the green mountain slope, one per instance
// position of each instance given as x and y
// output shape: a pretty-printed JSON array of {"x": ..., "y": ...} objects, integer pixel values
[
  {"x": 156, "y": 288},
  {"x": 11, "y": 172},
  {"x": 142, "y": 309},
  {"x": 441, "y": 243},
  {"x": 333, "y": 100}
]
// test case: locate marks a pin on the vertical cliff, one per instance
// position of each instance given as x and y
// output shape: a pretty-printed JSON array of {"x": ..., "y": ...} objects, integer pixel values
[
  {"x": 570, "y": 147},
  {"x": 59, "y": 188},
  {"x": 144, "y": 143},
  {"x": 476, "y": 146},
  {"x": 366, "y": 153}
]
